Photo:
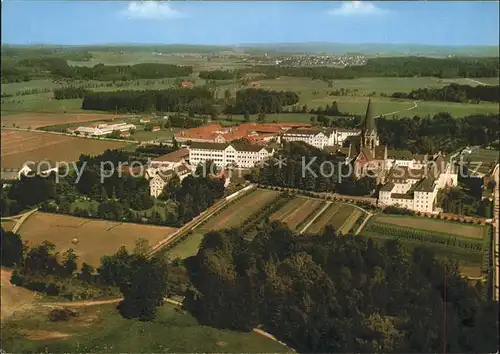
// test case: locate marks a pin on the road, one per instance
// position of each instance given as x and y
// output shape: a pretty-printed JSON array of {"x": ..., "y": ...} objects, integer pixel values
[
  {"x": 496, "y": 231},
  {"x": 415, "y": 105},
  {"x": 478, "y": 82}
]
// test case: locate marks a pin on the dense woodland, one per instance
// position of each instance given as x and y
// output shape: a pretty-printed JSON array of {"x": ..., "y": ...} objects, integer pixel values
[
  {"x": 70, "y": 92},
  {"x": 330, "y": 294},
  {"x": 199, "y": 100},
  {"x": 454, "y": 93},
  {"x": 439, "y": 133},
  {"x": 253, "y": 101}
]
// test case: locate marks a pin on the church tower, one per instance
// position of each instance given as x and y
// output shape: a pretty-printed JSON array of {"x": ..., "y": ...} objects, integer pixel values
[{"x": 369, "y": 136}]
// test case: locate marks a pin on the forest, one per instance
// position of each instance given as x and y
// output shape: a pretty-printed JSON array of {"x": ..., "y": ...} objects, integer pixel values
[
  {"x": 454, "y": 93},
  {"x": 331, "y": 294},
  {"x": 439, "y": 133},
  {"x": 253, "y": 101},
  {"x": 70, "y": 92},
  {"x": 199, "y": 100}
]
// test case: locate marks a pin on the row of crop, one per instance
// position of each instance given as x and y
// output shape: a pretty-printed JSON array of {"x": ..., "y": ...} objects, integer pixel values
[
  {"x": 310, "y": 216},
  {"x": 263, "y": 214},
  {"x": 425, "y": 236}
]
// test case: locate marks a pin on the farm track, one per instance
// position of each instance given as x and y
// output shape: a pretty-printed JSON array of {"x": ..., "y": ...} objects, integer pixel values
[{"x": 415, "y": 105}]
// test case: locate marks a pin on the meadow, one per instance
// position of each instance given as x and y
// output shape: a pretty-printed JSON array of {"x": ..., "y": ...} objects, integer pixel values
[
  {"x": 21, "y": 146},
  {"x": 313, "y": 93},
  {"x": 100, "y": 329},
  {"x": 482, "y": 159},
  {"x": 96, "y": 238}
]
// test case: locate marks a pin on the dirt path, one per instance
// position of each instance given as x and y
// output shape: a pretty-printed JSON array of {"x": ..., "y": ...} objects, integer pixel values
[
  {"x": 318, "y": 214},
  {"x": 415, "y": 105},
  {"x": 14, "y": 298},
  {"x": 80, "y": 303},
  {"x": 478, "y": 82}
]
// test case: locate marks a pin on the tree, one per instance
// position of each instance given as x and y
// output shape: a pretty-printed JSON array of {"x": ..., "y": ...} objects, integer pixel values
[
  {"x": 261, "y": 117},
  {"x": 142, "y": 246},
  {"x": 146, "y": 289},
  {"x": 87, "y": 273},
  {"x": 69, "y": 264},
  {"x": 12, "y": 248},
  {"x": 246, "y": 116}
]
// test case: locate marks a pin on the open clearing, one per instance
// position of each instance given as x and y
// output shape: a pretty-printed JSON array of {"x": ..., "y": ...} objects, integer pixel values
[
  {"x": 296, "y": 211},
  {"x": 13, "y": 298},
  {"x": 101, "y": 329},
  {"x": 239, "y": 211},
  {"x": 341, "y": 216},
  {"x": 432, "y": 225},
  {"x": 96, "y": 238},
  {"x": 21, "y": 146},
  {"x": 37, "y": 120}
]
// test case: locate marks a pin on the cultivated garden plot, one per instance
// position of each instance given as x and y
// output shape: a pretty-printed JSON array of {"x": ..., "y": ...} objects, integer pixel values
[
  {"x": 236, "y": 213},
  {"x": 296, "y": 211},
  {"x": 89, "y": 238},
  {"x": 342, "y": 217}
]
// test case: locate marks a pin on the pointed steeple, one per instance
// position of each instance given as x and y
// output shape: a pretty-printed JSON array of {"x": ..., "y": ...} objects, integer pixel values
[{"x": 368, "y": 125}]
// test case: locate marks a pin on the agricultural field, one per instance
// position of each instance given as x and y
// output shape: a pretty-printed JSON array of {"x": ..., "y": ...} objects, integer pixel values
[
  {"x": 165, "y": 134},
  {"x": 296, "y": 211},
  {"x": 8, "y": 225},
  {"x": 38, "y": 120},
  {"x": 342, "y": 217},
  {"x": 231, "y": 216},
  {"x": 482, "y": 159},
  {"x": 96, "y": 238},
  {"x": 21, "y": 146},
  {"x": 101, "y": 329},
  {"x": 432, "y": 225},
  {"x": 236, "y": 213}
]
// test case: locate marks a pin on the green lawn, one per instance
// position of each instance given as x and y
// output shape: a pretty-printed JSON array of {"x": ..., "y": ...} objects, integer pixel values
[
  {"x": 100, "y": 329},
  {"x": 164, "y": 134},
  {"x": 187, "y": 247}
]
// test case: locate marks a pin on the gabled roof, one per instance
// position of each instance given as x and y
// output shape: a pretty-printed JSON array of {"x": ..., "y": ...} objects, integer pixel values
[
  {"x": 303, "y": 131},
  {"x": 366, "y": 153},
  {"x": 174, "y": 156},
  {"x": 425, "y": 185},
  {"x": 209, "y": 146},
  {"x": 387, "y": 187},
  {"x": 399, "y": 154}
]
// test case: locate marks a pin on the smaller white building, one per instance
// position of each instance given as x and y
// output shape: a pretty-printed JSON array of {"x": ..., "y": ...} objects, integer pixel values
[
  {"x": 161, "y": 177},
  {"x": 320, "y": 138},
  {"x": 103, "y": 129}
]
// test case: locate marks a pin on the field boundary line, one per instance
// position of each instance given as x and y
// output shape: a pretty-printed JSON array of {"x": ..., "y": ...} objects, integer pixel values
[
  {"x": 363, "y": 223},
  {"x": 22, "y": 219},
  {"x": 328, "y": 203},
  {"x": 345, "y": 223}
]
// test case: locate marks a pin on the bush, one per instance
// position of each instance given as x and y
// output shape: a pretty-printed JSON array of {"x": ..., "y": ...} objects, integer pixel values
[{"x": 63, "y": 314}]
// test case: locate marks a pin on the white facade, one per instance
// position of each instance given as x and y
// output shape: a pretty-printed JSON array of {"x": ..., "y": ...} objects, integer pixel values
[
  {"x": 104, "y": 129},
  {"x": 226, "y": 154},
  {"x": 162, "y": 176},
  {"x": 320, "y": 138},
  {"x": 417, "y": 193}
]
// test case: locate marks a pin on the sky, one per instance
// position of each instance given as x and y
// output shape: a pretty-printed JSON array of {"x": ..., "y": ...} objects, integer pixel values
[{"x": 226, "y": 22}]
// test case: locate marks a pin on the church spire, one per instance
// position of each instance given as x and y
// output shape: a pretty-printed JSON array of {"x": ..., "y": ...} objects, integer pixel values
[{"x": 369, "y": 121}]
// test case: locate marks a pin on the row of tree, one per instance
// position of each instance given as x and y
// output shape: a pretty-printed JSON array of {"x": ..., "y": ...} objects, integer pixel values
[
  {"x": 219, "y": 75},
  {"x": 454, "y": 93},
  {"x": 70, "y": 92},
  {"x": 331, "y": 294}
]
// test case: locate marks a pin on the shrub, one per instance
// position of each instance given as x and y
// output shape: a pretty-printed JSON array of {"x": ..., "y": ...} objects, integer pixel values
[{"x": 63, "y": 314}]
